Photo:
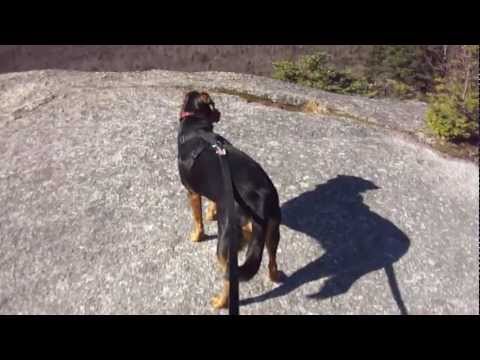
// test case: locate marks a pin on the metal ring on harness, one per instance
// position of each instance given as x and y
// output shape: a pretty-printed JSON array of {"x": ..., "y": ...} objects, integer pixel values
[{"x": 219, "y": 150}]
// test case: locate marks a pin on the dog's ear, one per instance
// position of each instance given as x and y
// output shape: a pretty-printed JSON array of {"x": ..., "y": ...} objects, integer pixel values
[
  {"x": 190, "y": 101},
  {"x": 208, "y": 107},
  {"x": 205, "y": 98}
]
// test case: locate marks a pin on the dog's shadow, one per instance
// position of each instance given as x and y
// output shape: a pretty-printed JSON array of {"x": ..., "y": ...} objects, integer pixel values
[{"x": 355, "y": 239}]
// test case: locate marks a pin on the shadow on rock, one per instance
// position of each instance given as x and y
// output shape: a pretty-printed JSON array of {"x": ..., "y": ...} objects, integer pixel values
[{"x": 355, "y": 239}]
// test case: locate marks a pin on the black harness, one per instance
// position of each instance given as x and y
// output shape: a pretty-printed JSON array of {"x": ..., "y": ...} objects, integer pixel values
[
  {"x": 212, "y": 140},
  {"x": 220, "y": 145}
]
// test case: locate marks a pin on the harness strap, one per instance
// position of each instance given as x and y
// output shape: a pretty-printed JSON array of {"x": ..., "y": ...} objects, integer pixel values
[{"x": 214, "y": 140}]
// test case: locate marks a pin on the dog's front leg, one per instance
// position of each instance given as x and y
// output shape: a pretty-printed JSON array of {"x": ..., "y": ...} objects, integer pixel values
[{"x": 196, "y": 204}]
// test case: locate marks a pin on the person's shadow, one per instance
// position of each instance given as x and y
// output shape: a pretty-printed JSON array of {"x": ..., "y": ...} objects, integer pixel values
[{"x": 355, "y": 239}]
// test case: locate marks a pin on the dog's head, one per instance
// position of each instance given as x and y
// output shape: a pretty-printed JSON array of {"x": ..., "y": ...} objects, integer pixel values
[{"x": 199, "y": 104}]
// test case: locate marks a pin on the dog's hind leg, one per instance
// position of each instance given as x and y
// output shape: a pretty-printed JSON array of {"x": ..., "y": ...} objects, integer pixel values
[
  {"x": 196, "y": 204},
  {"x": 272, "y": 238}
]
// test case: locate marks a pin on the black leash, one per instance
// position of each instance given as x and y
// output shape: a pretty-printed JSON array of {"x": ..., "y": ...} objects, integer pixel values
[
  {"x": 218, "y": 144},
  {"x": 233, "y": 303}
]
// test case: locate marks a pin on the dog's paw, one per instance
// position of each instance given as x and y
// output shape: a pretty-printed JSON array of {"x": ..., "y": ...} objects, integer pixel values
[
  {"x": 277, "y": 276},
  {"x": 219, "y": 302},
  {"x": 197, "y": 236}
]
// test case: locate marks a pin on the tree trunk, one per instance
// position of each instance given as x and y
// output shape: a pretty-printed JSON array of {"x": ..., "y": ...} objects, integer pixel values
[{"x": 467, "y": 82}]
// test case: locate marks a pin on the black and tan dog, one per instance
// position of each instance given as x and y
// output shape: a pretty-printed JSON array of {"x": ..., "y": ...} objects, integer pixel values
[{"x": 256, "y": 200}]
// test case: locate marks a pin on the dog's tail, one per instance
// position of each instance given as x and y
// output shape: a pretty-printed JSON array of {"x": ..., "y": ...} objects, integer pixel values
[
  {"x": 263, "y": 228},
  {"x": 253, "y": 259}
]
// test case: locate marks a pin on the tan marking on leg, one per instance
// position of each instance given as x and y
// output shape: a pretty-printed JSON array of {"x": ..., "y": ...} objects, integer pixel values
[
  {"x": 196, "y": 204},
  {"x": 222, "y": 263},
  {"x": 211, "y": 211},
  {"x": 273, "y": 272},
  {"x": 247, "y": 230},
  {"x": 221, "y": 300},
  {"x": 247, "y": 234}
]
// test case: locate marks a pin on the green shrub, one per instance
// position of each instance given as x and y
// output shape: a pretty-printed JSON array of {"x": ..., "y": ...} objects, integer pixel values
[
  {"x": 285, "y": 70},
  {"x": 452, "y": 116},
  {"x": 404, "y": 71},
  {"x": 395, "y": 89},
  {"x": 453, "y": 108},
  {"x": 315, "y": 71},
  {"x": 402, "y": 90},
  {"x": 391, "y": 62}
]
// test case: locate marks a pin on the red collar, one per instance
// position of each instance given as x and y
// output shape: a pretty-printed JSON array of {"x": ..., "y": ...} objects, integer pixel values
[{"x": 184, "y": 114}]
